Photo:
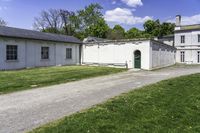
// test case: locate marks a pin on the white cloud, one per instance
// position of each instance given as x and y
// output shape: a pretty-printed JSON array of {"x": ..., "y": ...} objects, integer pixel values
[
  {"x": 133, "y": 3},
  {"x": 188, "y": 20},
  {"x": 124, "y": 16},
  {"x": 114, "y": 2}
]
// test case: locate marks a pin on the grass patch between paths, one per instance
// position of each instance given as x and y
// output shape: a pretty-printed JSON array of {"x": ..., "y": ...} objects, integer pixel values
[
  {"x": 168, "y": 106},
  {"x": 11, "y": 81}
]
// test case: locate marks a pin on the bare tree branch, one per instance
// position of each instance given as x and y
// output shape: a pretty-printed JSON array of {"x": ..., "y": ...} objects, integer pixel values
[{"x": 2, "y": 22}]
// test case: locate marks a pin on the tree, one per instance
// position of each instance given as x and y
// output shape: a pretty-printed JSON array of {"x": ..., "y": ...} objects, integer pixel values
[
  {"x": 156, "y": 29},
  {"x": 90, "y": 15},
  {"x": 167, "y": 29},
  {"x": 116, "y": 33},
  {"x": 49, "y": 21},
  {"x": 70, "y": 22},
  {"x": 152, "y": 27},
  {"x": 2, "y": 22},
  {"x": 91, "y": 19},
  {"x": 98, "y": 30},
  {"x": 81, "y": 24},
  {"x": 133, "y": 33}
]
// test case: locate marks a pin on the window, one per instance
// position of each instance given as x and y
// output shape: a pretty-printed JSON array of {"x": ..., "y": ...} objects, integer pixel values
[
  {"x": 68, "y": 53},
  {"x": 182, "y": 56},
  {"x": 198, "y": 57},
  {"x": 11, "y": 52},
  {"x": 199, "y": 38},
  {"x": 45, "y": 53},
  {"x": 182, "y": 39}
]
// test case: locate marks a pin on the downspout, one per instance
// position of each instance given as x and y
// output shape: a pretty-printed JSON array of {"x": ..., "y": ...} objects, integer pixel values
[{"x": 81, "y": 54}]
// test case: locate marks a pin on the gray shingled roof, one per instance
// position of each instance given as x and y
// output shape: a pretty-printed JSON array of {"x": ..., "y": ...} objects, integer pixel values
[{"x": 36, "y": 35}]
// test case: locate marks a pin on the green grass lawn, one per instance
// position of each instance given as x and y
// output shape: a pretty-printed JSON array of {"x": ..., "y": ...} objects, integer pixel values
[
  {"x": 171, "y": 106},
  {"x": 11, "y": 81}
]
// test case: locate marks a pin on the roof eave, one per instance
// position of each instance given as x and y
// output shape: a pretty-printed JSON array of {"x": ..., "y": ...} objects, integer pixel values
[{"x": 40, "y": 39}]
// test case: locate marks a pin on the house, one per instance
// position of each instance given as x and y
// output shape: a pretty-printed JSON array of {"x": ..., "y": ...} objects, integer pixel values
[
  {"x": 187, "y": 42},
  {"x": 146, "y": 54},
  {"x": 21, "y": 48}
]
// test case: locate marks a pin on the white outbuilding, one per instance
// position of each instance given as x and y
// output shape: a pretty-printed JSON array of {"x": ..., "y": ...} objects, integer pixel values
[
  {"x": 20, "y": 48},
  {"x": 142, "y": 53}
]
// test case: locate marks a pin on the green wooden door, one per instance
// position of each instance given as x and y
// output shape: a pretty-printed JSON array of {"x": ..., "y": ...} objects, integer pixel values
[{"x": 137, "y": 59}]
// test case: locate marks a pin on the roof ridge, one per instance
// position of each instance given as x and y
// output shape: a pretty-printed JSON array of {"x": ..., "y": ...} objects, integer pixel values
[
  {"x": 36, "y": 31},
  {"x": 36, "y": 35}
]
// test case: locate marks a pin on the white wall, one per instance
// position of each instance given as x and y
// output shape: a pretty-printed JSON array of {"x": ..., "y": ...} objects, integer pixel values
[
  {"x": 190, "y": 47},
  {"x": 191, "y": 56},
  {"x": 20, "y": 63},
  {"x": 117, "y": 53},
  {"x": 162, "y": 55},
  {"x": 191, "y": 38},
  {"x": 122, "y": 52},
  {"x": 29, "y": 53}
]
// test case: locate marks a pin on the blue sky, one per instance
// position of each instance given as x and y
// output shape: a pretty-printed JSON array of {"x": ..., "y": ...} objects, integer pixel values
[{"x": 128, "y": 13}]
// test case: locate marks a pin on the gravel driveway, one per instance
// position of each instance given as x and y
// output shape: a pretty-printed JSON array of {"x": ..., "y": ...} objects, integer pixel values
[{"x": 23, "y": 111}]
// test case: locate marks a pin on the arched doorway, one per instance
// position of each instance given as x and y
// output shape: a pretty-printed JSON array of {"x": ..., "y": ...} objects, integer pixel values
[{"x": 137, "y": 59}]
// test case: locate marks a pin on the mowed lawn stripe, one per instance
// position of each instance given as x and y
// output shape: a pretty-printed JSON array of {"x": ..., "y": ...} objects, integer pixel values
[
  {"x": 11, "y": 81},
  {"x": 168, "y": 106}
]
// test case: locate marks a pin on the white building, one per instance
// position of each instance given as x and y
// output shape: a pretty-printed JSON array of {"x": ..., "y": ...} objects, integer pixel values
[
  {"x": 187, "y": 42},
  {"x": 144, "y": 54},
  {"x": 25, "y": 48}
]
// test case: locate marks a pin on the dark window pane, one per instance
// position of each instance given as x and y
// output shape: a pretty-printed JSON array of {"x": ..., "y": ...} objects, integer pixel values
[
  {"x": 198, "y": 38},
  {"x": 11, "y": 52},
  {"x": 45, "y": 53},
  {"x": 182, "y": 39},
  {"x": 182, "y": 56},
  {"x": 68, "y": 53}
]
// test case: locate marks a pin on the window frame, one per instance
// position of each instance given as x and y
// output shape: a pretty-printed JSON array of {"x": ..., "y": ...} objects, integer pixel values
[
  {"x": 198, "y": 37},
  {"x": 68, "y": 53},
  {"x": 182, "y": 39},
  {"x": 198, "y": 56},
  {"x": 182, "y": 56},
  {"x": 12, "y": 53},
  {"x": 45, "y": 53}
]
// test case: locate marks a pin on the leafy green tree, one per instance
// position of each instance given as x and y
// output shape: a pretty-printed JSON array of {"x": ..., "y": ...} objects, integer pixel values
[
  {"x": 89, "y": 19},
  {"x": 118, "y": 32},
  {"x": 133, "y": 33},
  {"x": 51, "y": 30},
  {"x": 80, "y": 35},
  {"x": 90, "y": 22},
  {"x": 167, "y": 29},
  {"x": 157, "y": 29},
  {"x": 98, "y": 30},
  {"x": 90, "y": 15},
  {"x": 152, "y": 27},
  {"x": 146, "y": 35}
]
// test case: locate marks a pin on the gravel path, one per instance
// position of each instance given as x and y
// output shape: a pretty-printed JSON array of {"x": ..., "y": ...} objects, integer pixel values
[{"x": 23, "y": 111}]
